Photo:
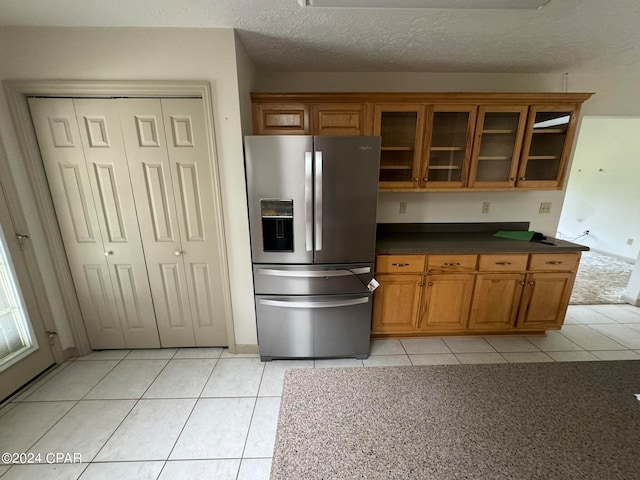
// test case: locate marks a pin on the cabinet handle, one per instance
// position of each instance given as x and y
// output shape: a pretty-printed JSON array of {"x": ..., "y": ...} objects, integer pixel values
[
  {"x": 554, "y": 262},
  {"x": 512, "y": 179},
  {"x": 110, "y": 252},
  {"x": 415, "y": 179},
  {"x": 522, "y": 283},
  {"x": 425, "y": 179},
  {"x": 503, "y": 263},
  {"x": 178, "y": 253},
  {"x": 457, "y": 264},
  {"x": 430, "y": 283},
  {"x": 421, "y": 284},
  {"x": 523, "y": 178},
  {"x": 532, "y": 283},
  {"x": 400, "y": 264}
]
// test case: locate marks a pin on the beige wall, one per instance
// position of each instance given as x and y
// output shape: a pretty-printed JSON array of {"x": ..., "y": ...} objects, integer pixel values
[
  {"x": 603, "y": 195},
  {"x": 142, "y": 54}
]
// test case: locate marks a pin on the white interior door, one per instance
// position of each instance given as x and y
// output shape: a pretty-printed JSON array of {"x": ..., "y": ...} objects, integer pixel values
[
  {"x": 133, "y": 189},
  {"x": 101, "y": 136},
  {"x": 24, "y": 350},
  {"x": 190, "y": 163},
  {"x": 58, "y": 136},
  {"x": 151, "y": 177}
]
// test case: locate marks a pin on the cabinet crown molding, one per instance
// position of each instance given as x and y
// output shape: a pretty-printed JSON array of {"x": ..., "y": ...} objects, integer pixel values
[{"x": 421, "y": 97}]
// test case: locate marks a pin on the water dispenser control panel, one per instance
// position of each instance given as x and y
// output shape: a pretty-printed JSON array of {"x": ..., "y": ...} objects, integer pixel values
[{"x": 277, "y": 224}]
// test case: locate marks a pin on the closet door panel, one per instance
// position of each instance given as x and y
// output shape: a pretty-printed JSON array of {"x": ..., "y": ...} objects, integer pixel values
[
  {"x": 62, "y": 153},
  {"x": 190, "y": 159},
  {"x": 155, "y": 199},
  {"x": 100, "y": 132}
]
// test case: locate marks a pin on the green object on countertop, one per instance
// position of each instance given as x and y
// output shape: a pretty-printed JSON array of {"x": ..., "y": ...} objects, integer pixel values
[{"x": 515, "y": 234}]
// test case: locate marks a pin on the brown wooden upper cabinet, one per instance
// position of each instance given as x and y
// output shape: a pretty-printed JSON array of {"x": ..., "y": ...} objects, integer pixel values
[
  {"x": 341, "y": 119},
  {"x": 497, "y": 146},
  {"x": 281, "y": 119},
  {"x": 441, "y": 141},
  {"x": 401, "y": 129},
  {"x": 547, "y": 145},
  {"x": 448, "y": 146}
]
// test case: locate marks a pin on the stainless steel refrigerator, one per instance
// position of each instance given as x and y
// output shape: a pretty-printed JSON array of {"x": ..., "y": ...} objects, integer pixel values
[{"x": 312, "y": 216}]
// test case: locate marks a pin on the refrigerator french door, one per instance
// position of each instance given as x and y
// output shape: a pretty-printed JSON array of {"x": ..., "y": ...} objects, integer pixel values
[{"x": 312, "y": 214}]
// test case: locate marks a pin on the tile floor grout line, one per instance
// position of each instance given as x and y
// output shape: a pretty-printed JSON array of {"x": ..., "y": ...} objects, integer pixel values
[
  {"x": 53, "y": 425},
  {"x": 246, "y": 438},
  {"x": 103, "y": 377},
  {"x": 209, "y": 378},
  {"x": 115, "y": 429}
]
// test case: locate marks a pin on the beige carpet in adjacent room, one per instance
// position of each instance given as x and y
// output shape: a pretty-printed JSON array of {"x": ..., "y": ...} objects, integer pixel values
[{"x": 601, "y": 279}]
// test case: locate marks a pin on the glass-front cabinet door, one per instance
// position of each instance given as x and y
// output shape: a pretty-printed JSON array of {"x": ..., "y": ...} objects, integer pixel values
[
  {"x": 448, "y": 148},
  {"x": 547, "y": 145},
  {"x": 496, "y": 151},
  {"x": 401, "y": 128}
]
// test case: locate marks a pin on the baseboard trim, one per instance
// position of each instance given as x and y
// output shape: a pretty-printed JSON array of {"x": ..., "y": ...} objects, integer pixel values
[
  {"x": 70, "y": 352},
  {"x": 245, "y": 349},
  {"x": 631, "y": 301},
  {"x": 630, "y": 260}
]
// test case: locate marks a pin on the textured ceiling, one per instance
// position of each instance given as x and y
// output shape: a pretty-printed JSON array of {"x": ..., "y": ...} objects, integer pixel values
[{"x": 577, "y": 36}]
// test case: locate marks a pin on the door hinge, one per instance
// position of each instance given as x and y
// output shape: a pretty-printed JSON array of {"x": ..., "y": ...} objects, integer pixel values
[
  {"x": 21, "y": 238},
  {"x": 50, "y": 336}
]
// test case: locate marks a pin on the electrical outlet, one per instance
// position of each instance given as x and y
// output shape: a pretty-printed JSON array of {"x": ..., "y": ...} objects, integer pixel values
[
  {"x": 545, "y": 207},
  {"x": 629, "y": 241},
  {"x": 403, "y": 208},
  {"x": 485, "y": 207}
]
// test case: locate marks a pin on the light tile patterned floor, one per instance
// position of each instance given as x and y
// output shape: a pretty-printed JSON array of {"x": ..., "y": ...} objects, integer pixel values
[{"x": 205, "y": 413}]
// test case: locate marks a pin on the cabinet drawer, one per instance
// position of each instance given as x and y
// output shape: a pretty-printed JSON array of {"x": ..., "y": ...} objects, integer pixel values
[
  {"x": 451, "y": 263},
  {"x": 547, "y": 262},
  {"x": 503, "y": 262},
  {"x": 400, "y": 263}
]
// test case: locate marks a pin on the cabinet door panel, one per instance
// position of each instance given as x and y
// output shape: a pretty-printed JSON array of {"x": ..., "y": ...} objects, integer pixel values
[
  {"x": 498, "y": 141},
  {"x": 545, "y": 300},
  {"x": 496, "y": 299},
  {"x": 547, "y": 145},
  {"x": 447, "y": 301},
  {"x": 401, "y": 128},
  {"x": 339, "y": 119},
  {"x": 281, "y": 119},
  {"x": 396, "y": 303},
  {"x": 448, "y": 147}
]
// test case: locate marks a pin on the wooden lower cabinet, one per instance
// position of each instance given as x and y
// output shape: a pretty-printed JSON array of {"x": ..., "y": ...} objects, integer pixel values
[
  {"x": 396, "y": 303},
  {"x": 518, "y": 293},
  {"x": 446, "y": 302},
  {"x": 496, "y": 301},
  {"x": 545, "y": 300}
]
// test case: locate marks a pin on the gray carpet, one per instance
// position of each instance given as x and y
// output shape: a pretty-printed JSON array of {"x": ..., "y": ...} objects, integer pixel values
[
  {"x": 601, "y": 279},
  {"x": 485, "y": 422}
]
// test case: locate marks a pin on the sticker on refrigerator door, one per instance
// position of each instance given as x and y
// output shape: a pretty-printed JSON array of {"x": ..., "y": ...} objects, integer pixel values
[{"x": 373, "y": 284}]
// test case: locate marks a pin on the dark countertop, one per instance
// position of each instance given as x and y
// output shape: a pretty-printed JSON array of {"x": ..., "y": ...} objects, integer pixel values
[{"x": 399, "y": 240}]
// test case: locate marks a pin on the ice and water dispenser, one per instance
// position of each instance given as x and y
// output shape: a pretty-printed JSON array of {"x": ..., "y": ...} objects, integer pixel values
[{"x": 277, "y": 224}]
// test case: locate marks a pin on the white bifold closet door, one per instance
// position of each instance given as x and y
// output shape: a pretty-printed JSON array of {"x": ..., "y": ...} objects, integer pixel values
[{"x": 131, "y": 187}]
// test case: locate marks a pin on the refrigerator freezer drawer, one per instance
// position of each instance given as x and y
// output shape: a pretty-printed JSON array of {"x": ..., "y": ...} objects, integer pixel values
[
  {"x": 317, "y": 326},
  {"x": 312, "y": 279}
]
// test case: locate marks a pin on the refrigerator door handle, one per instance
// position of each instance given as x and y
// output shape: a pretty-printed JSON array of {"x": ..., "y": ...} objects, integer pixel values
[
  {"x": 308, "y": 200},
  {"x": 318, "y": 201},
  {"x": 313, "y": 273},
  {"x": 308, "y": 304}
]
